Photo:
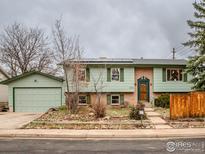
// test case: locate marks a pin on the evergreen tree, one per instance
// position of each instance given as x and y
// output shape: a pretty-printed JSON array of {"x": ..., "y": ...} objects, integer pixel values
[
  {"x": 196, "y": 64},
  {"x": 196, "y": 68}
]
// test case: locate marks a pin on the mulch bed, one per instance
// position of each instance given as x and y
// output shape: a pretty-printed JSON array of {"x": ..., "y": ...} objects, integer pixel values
[
  {"x": 187, "y": 123},
  {"x": 88, "y": 125},
  {"x": 85, "y": 119}
]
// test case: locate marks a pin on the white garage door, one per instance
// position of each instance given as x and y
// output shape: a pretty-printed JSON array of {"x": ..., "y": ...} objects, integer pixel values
[{"x": 36, "y": 99}]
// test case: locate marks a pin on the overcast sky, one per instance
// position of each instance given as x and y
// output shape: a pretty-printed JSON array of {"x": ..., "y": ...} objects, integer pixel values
[{"x": 109, "y": 28}]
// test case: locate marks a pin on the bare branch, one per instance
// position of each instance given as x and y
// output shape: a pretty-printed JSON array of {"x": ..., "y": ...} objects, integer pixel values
[{"x": 24, "y": 49}]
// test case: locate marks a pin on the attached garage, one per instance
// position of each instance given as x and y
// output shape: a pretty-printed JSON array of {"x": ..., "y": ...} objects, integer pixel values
[
  {"x": 34, "y": 92},
  {"x": 36, "y": 99}
]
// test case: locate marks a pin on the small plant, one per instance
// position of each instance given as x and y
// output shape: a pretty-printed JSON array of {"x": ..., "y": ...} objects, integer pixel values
[
  {"x": 62, "y": 108},
  {"x": 99, "y": 109},
  {"x": 162, "y": 101},
  {"x": 134, "y": 113}
]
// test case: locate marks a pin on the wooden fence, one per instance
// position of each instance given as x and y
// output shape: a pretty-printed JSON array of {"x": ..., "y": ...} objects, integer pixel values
[{"x": 185, "y": 105}]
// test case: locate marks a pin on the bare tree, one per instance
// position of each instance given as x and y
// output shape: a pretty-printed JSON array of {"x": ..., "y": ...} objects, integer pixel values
[
  {"x": 24, "y": 49},
  {"x": 68, "y": 53},
  {"x": 98, "y": 85}
]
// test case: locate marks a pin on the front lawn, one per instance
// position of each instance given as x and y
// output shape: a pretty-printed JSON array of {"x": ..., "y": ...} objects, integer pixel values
[{"x": 116, "y": 118}]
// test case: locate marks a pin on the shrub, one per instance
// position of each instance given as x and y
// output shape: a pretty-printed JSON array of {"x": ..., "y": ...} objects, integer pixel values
[
  {"x": 63, "y": 108},
  {"x": 134, "y": 113},
  {"x": 99, "y": 109},
  {"x": 162, "y": 101}
]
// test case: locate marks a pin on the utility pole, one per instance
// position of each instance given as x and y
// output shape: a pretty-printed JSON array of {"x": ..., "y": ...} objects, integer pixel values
[{"x": 173, "y": 53}]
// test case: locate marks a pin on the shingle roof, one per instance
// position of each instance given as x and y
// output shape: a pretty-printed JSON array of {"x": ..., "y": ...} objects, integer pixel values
[
  {"x": 160, "y": 61},
  {"x": 133, "y": 61}
]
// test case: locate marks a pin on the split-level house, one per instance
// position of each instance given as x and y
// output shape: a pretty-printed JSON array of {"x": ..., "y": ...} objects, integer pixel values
[
  {"x": 120, "y": 81},
  {"x": 128, "y": 81}
]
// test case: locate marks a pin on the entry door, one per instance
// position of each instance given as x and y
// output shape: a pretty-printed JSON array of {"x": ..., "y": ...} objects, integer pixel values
[{"x": 143, "y": 89}]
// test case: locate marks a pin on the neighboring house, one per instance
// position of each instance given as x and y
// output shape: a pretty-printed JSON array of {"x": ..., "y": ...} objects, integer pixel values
[
  {"x": 122, "y": 81},
  {"x": 131, "y": 80},
  {"x": 34, "y": 92},
  {"x": 3, "y": 88}
]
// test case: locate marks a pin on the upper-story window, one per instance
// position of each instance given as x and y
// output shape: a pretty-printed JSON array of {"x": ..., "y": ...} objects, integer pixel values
[
  {"x": 174, "y": 74},
  {"x": 82, "y": 75},
  {"x": 115, "y": 74}
]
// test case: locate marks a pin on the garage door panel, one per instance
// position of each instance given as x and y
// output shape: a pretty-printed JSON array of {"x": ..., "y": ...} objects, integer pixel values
[{"x": 36, "y": 99}]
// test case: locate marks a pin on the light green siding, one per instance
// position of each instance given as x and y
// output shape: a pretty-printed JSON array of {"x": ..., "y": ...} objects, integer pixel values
[
  {"x": 168, "y": 86},
  {"x": 34, "y": 80},
  {"x": 104, "y": 86}
]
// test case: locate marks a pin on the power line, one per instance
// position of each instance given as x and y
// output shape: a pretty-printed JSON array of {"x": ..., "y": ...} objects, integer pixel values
[
  {"x": 183, "y": 52},
  {"x": 179, "y": 47},
  {"x": 187, "y": 53}
]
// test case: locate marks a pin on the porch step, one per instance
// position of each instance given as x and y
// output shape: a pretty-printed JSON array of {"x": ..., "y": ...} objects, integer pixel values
[
  {"x": 157, "y": 120},
  {"x": 151, "y": 114},
  {"x": 149, "y": 109}
]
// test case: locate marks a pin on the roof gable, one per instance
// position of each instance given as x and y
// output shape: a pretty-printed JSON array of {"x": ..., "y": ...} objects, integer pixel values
[{"x": 29, "y": 74}]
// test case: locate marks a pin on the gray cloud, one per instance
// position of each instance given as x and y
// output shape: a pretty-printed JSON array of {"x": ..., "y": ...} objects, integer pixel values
[{"x": 111, "y": 28}]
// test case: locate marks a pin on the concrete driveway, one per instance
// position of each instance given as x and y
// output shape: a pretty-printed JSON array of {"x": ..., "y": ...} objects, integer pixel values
[{"x": 14, "y": 120}]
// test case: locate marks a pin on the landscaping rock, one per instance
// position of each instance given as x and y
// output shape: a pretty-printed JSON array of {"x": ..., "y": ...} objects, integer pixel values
[
  {"x": 91, "y": 114},
  {"x": 52, "y": 109},
  {"x": 106, "y": 118}
]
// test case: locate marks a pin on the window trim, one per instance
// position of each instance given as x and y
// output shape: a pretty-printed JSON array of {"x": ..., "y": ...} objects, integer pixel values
[
  {"x": 86, "y": 98},
  {"x": 179, "y": 74},
  {"x": 84, "y": 69},
  {"x": 111, "y": 74},
  {"x": 119, "y": 99}
]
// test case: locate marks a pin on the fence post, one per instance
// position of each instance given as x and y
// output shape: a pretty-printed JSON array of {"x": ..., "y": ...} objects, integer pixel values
[{"x": 170, "y": 106}]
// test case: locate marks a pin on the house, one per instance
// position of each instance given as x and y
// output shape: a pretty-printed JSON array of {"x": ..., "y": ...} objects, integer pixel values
[
  {"x": 3, "y": 88},
  {"x": 122, "y": 81},
  {"x": 34, "y": 92},
  {"x": 131, "y": 80}
]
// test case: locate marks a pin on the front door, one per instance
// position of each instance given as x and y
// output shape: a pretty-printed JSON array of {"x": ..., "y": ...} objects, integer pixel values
[{"x": 143, "y": 89}]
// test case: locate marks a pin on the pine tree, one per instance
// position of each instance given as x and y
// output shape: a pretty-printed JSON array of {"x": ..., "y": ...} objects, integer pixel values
[
  {"x": 196, "y": 64},
  {"x": 196, "y": 68},
  {"x": 197, "y": 40}
]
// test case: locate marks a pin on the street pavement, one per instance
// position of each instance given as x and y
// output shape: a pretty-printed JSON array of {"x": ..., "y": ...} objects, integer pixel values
[{"x": 141, "y": 146}]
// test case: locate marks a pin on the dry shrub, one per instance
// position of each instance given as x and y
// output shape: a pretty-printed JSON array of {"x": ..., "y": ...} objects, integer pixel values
[{"x": 99, "y": 108}]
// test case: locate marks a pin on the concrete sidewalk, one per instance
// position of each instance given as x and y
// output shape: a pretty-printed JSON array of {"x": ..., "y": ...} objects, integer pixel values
[
  {"x": 156, "y": 119},
  {"x": 112, "y": 134}
]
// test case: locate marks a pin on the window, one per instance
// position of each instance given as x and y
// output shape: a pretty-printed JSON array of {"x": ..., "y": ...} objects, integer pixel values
[
  {"x": 115, "y": 99},
  {"x": 115, "y": 74},
  {"x": 82, "y": 75},
  {"x": 82, "y": 99},
  {"x": 174, "y": 74}
]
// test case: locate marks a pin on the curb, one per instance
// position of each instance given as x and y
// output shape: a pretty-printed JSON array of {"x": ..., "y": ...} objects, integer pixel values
[
  {"x": 104, "y": 134},
  {"x": 110, "y": 137}
]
